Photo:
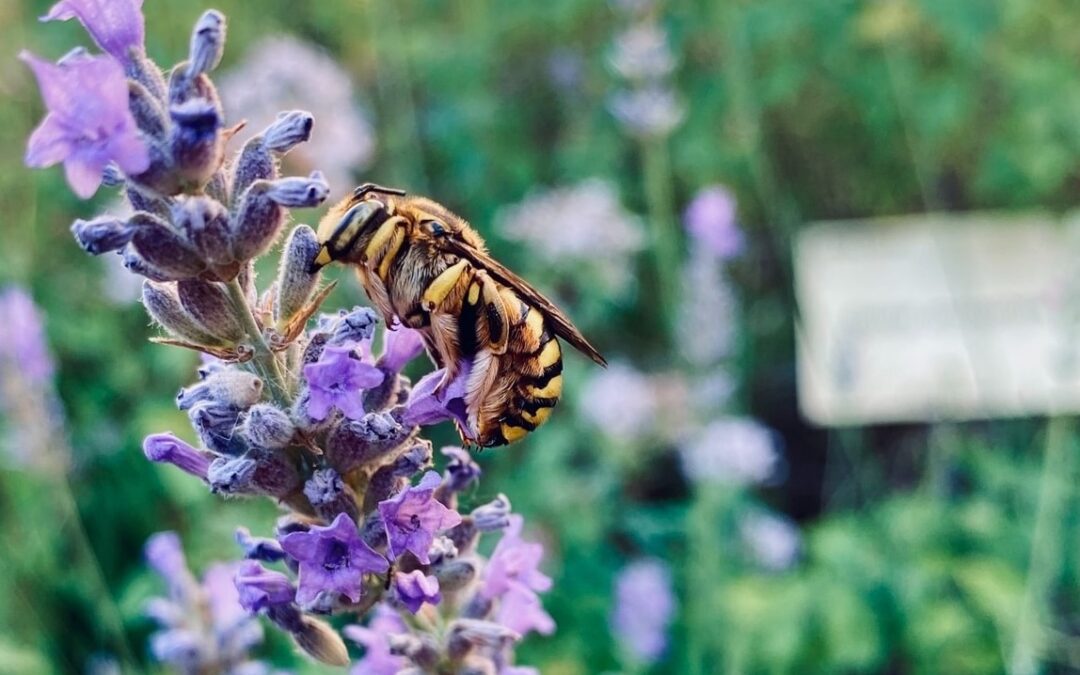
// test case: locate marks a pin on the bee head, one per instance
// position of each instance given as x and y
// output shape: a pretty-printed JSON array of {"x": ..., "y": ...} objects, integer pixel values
[{"x": 360, "y": 219}]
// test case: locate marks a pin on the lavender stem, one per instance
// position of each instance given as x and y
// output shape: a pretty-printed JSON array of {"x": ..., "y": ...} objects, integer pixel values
[{"x": 265, "y": 360}]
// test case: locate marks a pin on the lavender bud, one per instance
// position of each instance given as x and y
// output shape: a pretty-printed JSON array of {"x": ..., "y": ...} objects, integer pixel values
[
  {"x": 210, "y": 306},
  {"x": 414, "y": 460},
  {"x": 253, "y": 163},
  {"x": 101, "y": 234},
  {"x": 276, "y": 475},
  {"x": 256, "y": 223},
  {"x": 144, "y": 71},
  {"x": 162, "y": 247},
  {"x": 295, "y": 192},
  {"x": 112, "y": 176},
  {"x": 205, "y": 222},
  {"x": 171, "y": 450},
  {"x": 232, "y": 476},
  {"x": 465, "y": 634},
  {"x": 329, "y": 495},
  {"x": 321, "y": 641},
  {"x": 267, "y": 426},
  {"x": 477, "y": 664},
  {"x": 314, "y": 348},
  {"x": 442, "y": 550},
  {"x": 461, "y": 471},
  {"x": 455, "y": 575},
  {"x": 141, "y": 201},
  {"x": 162, "y": 302},
  {"x": 353, "y": 326},
  {"x": 418, "y": 649},
  {"x": 495, "y": 515},
  {"x": 216, "y": 425},
  {"x": 353, "y": 443},
  {"x": 295, "y": 283},
  {"x": 303, "y": 420},
  {"x": 384, "y": 484},
  {"x": 218, "y": 187},
  {"x": 373, "y": 531},
  {"x": 228, "y": 386},
  {"x": 196, "y": 141},
  {"x": 464, "y": 534},
  {"x": 136, "y": 264},
  {"x": 160, "y": 177},
  {"x": 288, "y": 130},
  {"x": 147, "y": 111},
  {"x": 259, "y": 548},
  {"x": 207, "y": 43}
]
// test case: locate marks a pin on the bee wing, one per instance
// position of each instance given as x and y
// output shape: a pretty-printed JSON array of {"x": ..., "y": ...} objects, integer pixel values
[{"x": 561, "y": 323}]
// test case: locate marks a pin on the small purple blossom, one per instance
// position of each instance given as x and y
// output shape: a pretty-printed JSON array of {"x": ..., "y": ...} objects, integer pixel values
[
  {"x": 400, "y": 345},
  {"x": 88, "y": 123},
  {"x": 514, "y": 562},
  {"x": 117, "y": 26},
  {"x": 171, "y": 450},
  {"x": 336, "y": 381},
  {"x": 430, "y": 402},
  {"x": 415, "y": 588},
  {"x": 259, "y": 589},
  {"x": 22, "y": 336},
  {"x": 461, "y": 471},
  {"x": 521, "y": 611},
  {"x": 375, "y": 639},
  {"x": 332, "y": 558},
  {"x": 710, "y": 220},
  {"x": 413, "y": 517},
  {"x": 644, "y": 607}
]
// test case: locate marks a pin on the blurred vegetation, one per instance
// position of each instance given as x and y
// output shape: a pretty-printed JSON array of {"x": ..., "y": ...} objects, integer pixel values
[{"x": 921, "y": 549}]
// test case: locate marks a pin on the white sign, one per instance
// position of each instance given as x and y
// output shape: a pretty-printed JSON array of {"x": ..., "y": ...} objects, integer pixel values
[{"x": 938, "y": 316}]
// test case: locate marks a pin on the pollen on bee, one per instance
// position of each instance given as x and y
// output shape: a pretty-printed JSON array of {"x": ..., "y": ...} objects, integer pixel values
[{"x": 474, "y": 293}]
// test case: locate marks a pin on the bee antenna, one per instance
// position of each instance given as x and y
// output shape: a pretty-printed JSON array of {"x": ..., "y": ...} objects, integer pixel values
[{"x": 373, "y": 187}]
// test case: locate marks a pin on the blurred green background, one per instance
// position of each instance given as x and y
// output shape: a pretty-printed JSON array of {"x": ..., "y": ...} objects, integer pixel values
[{"x": 920, "y": 548}]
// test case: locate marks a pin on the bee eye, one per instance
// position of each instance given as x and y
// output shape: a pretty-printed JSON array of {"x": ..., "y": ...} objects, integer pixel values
[{"x": 437, "y": 228}]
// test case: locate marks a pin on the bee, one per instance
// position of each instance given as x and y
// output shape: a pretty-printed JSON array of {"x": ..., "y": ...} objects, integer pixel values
[{"x": 429, "y": 269}]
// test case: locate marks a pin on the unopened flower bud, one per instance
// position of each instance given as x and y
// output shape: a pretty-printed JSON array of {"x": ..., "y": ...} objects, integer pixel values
[
  {"x": 142, "y": 201},
  {"x": 232, "y": 476},
  {"x": 171, "y": 450},
  {"x": 207, "y": 43},
  {"x": 196, "y": 141},
  {"x": 295, "y": 283},
  {"x": 254, "y": 162},
  {"x": 144, "y": 71},
  {"x": 112, "y": 176},
  {"x": 102, "y": 234},
  {"x": 163, "y": 248},
  {"x": 205, "y": 223},
  {"x": 414, "y": 460},
  {"x": 288, "y": 130},
  {"x": 162, "y": 302},
  {"x": 276, "y": 475},
  {"x": 256, "y": 223},
  {"x": 261, "y": 589},
  {"x": 461, "y": 472},
  {"x": 147, "y": 111},
  {"x": 259, "y": 548},
  {"x": 454, "y": 575},
  {"x": 464, "y": 535},
  {"x": 228, "y": 386},
  {"x": 353, "y": 443},
  {"x": 218, "y": 187},
  {"x": 267, "y": 426},
  {"x": 329, "y": 495},
  {"x": 442, "y": 549},
  {"x": 322, "y": 642},
  {"x": 160, "y": 177},
  {"x": 303, "y": 419},
  {"x": 495, "y": 515},
  {"x": 418, "y": 649},
  {"x": 349, "y": 327},
  {"x": 217, "y": 425},
  {"x": 465, "y": 634},
  {"x": 209, "y": 304},
  {"x": 295, "y": 192},
  {"x": 384, "y": 484}
]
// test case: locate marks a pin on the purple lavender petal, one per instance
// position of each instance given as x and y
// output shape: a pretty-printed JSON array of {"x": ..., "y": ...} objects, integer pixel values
[
  {"x": 413, "y": 517},
  {"x": 170, "y": 449},
  {"x": 116, "y": 25},
  {"x": 514, "y": 561},
  {"x": 336, "y": 380},
  {"x": 415, "y": 588},
  {"x": 427, "y": 405},
  {"x": 400, "y": 345},
  {"x": 520, "y": 610},
  {"x": 258, "y": 588},
  {"x": 333, "y": 559}
]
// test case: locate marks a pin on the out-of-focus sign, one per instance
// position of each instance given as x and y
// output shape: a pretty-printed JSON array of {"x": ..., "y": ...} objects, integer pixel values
[{"x": 936, "y": 317}]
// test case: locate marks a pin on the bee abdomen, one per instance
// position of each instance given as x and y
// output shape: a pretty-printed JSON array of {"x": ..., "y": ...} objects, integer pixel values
[{"x": 536, "y": 375}]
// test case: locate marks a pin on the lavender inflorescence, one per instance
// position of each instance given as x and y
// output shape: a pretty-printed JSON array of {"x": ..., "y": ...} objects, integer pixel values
[{"x": 299, "y": 411}]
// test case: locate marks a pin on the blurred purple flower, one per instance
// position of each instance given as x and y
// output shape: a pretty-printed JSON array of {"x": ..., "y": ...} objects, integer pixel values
[
  {"x": 521, "y": 611},
  {"x": 644, "y": 608},
  {"x": 88, "y": 123},
  {"x": 22, "y": 337},
  {"x": 710, "y": 220},
  {"x": 653, "y": 111},
  {"x": 772, "y": 540},
  {"x": 514, "y": 562},
  {"x": 336, "y": 381},
  {"x": 116, "y": 25},
  {"x": 165, "y": 555},
  {"x": 732, "y": 450},
  {"x": 428, "y": 404},
  {"x": 641, "y": 52},
  {"x": 332, "y": 558},
  {"x": 620, "y": 400},
  {"x": 413, "y": 517},
  {"x": 461, "y": 470},
  {"x": 415, "y": 588},
  {"x": 259, "y": 588},
  {"x": 374, "y": 638}
]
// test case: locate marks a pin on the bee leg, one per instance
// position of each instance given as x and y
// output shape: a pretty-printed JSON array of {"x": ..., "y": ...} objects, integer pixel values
[
  {"x": 440, "y": 287},
  {"x": 496, "y": 322}
]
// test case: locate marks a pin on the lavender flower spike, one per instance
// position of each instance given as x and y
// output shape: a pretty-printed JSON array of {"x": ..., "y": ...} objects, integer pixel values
[
  {"x": 332, "y": 559},
  {"x": 170, "y": 449},
  {"x": 116, "y": 25},
  {"x": 207, "y": 43},
  {"x": 644, "y": 606},
  {"x": 88, "y": 123},
  {"x": 295, "y": 192},
  {"x": 336, "y": 380},
  {"x": 413, "y": 517}
]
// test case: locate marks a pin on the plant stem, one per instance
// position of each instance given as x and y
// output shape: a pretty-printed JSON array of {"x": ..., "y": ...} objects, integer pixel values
[
  {"x": 665, "y": 233},
  {"x": 265, "y": 362},
  {"x": 1046, "y": 552}
]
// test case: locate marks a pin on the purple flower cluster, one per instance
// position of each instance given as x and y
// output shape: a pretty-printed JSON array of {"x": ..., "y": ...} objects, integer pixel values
[
  {"x": 301, "y": 411},
  {"x": 644, "y": 608},
  {"x": 202, "y": 627},
  {"x": 647, "y": 105}
]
